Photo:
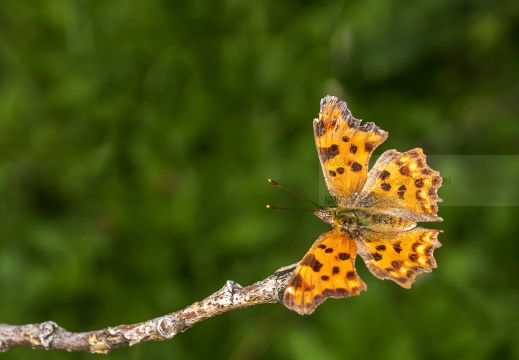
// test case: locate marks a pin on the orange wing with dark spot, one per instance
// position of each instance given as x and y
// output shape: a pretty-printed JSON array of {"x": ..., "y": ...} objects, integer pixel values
[
  {"x": 399, "y": 256},
  {"x": 344, "y": 149},
  {"x": 327, "y": 270},
  {"x": 403, "y": 185}
]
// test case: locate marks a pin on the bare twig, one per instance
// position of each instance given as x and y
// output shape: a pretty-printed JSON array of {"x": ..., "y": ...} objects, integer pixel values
[{"x": 50, "y": 336}]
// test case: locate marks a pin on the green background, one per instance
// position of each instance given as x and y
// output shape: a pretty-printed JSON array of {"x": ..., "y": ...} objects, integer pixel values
[{"x": 136, "y": 139}]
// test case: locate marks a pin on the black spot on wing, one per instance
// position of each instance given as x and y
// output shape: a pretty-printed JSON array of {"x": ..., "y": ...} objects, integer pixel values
[
  {"x": 344, "y": 256},
  {"x": 320, "y": 129},
  {"x": 384, "y": 175},
  {"x": 329, "y": 153},
  {"x": 396, "y": 264},
  {"x": 311, "y": 261},
  {"x": 296, "y": 281},
  {"x": 401, "y": 191},
  {"x": 385, "y": 186},
  {"x": 404, "y": 170},
  {"x": 356, "y": 167}
]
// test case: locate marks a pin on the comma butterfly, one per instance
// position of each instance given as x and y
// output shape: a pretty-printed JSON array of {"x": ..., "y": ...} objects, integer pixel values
[{"x": 375, "y": 216}]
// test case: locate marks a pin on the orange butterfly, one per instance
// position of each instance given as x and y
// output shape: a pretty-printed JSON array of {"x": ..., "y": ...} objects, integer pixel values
[{"x": 376, "y": 212}]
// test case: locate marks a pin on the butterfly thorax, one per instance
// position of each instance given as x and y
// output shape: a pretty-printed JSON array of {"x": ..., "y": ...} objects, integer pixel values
[{"x": 346, "y": 216}]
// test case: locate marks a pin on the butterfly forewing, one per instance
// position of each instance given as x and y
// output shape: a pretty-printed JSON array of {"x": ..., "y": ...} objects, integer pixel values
[{"x": 344, "y": 148}]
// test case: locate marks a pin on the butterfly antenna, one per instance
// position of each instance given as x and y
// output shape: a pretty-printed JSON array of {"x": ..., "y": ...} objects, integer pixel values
[
  {"x": 293, "y": 193},
  {"x": 273, "y": 207}
]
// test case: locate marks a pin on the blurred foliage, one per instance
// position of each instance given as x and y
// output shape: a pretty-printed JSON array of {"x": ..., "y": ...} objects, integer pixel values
[{"x": 136, "y": 139}]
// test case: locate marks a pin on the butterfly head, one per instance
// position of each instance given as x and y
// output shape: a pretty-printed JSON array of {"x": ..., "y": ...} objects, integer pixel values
[
  {"x": 325, "y": 214},
  {"x": 337, "y": 216}
]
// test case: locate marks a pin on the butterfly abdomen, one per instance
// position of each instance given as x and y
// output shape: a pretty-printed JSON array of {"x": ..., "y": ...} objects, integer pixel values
[{"x": 384, "y": 222}]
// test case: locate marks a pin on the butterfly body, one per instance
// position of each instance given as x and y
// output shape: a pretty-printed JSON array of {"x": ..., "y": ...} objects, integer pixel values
[
  {"x": 344, "y": 216},
  {"x": 375, "y": 216}
]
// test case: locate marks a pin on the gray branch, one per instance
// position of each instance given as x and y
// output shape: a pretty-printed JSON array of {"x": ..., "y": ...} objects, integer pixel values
[{"x": 50, "y": 336}]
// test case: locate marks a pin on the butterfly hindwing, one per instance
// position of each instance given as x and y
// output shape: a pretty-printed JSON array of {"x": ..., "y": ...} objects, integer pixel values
[
  {"x": 327, "y": 270},
  {"x": 403, "y": 185},
  {"x": 399, "y": 255}
]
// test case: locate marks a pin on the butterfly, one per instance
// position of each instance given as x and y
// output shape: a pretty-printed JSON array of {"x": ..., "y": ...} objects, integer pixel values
[{"x": 375, "y": 215}]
